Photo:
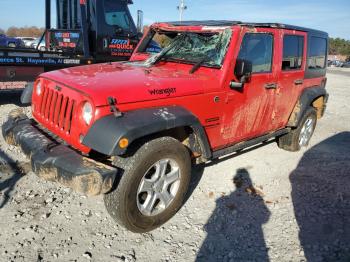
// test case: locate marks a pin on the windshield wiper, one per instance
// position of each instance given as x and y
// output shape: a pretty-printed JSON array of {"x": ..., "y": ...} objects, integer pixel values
[
  {"x": 158, "y": 57},
  {"x": 205, "y": 58},
  {"x": 161, "y": 55},
  {"x": 197, "y": 65}
]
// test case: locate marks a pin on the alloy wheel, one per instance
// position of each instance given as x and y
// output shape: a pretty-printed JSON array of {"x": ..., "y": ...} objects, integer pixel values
[
  {"x": 306, "y": 132},
  {"x": 158, "y": 187}
]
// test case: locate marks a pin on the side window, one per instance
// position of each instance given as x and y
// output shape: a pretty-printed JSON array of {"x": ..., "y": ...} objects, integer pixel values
[
  {"x": 317, "y": 53},
  {"x": 293, "y": 47},
  {"x": 257, "y": 48}
]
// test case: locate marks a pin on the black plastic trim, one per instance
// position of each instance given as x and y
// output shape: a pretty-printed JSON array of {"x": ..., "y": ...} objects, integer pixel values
[
  {"x": 56, "y": 162},
  {"x": 305, "y": 100},
  {"x": 26, "y": 96},
  {"x": 252, "y": 142},
  {"x": 106, "y": 132}
]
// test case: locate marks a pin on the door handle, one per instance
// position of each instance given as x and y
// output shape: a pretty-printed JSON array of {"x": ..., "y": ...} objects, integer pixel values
[
  {"x": 270, "y": 86},
  {"x": 105, "y": 43},
  {"x": 299, "y": 82}
]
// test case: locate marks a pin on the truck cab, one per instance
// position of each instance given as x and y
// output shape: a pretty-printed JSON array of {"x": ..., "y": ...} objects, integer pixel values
[
  {"x": 87, "y": 32},
  {"x": 191, "y": 92},
  {"x": 112, "y": 33}
]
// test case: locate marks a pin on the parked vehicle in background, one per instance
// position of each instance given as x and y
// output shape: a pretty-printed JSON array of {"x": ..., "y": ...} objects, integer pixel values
[
  {"x": 10, "y": 42},
  {"x": 29, "y": 44},
  {"x": 28, "y": 41},
  {"x": 346, "y": 65},
  {"x": 40, "y": 46},
  {"x": 335, "y": 63},
  {"x": 131, "y": 130},
  {"x": 338, "y": 63}
]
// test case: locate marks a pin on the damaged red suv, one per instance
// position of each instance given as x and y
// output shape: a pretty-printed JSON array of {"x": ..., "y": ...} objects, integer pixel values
[{"x": 192, "y": 92}]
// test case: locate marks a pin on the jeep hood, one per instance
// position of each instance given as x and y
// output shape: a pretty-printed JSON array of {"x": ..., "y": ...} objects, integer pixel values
[{"x": 131, "y": 82}]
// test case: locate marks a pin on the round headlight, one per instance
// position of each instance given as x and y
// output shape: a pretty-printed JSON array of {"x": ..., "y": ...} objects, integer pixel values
[
  {"x": 38, "y": 88},
  {"x": 87, "y": 113}
]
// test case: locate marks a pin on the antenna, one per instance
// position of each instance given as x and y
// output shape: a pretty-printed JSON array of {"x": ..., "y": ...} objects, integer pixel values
[{"x": 182, "y": 7}]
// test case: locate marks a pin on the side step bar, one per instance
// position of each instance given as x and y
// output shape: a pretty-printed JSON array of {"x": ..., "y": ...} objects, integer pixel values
[{"x": 241, "y": 145}]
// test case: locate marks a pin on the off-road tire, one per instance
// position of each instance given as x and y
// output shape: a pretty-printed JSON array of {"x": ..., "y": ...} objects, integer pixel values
[
  {"x": 121, "y": 203},
  {"x": 290, "y": 141}
]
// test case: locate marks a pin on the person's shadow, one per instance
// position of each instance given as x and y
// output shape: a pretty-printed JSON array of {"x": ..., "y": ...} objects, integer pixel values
[
  {"x": 321, "y": 199},
  {"x": 10, "y": 174},
  {"x": 236, "y": 225}
]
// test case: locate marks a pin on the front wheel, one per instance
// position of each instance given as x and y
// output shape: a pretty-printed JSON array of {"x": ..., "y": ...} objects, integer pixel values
[
  {"x": 152, "y": 187},
  {"x": 300, "y": 136}
]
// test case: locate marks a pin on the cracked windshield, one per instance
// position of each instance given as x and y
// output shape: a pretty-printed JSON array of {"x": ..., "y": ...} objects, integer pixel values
[{"x": 206, "y": 48}]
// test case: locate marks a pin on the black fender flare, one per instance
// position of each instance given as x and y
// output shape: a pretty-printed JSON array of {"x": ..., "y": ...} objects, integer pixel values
[
  {"x": 105, "y": 134},
  {"x": 305, "y": 100},
  {"x": 26, "y": 96}
]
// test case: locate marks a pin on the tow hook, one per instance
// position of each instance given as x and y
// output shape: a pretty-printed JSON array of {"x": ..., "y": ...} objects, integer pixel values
[{"x": 112, "y": 103}]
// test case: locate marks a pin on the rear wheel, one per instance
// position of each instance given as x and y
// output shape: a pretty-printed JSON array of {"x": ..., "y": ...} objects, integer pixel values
[
  {"x": 300, "y": 136},
  {"x": 152, "y": 187}
]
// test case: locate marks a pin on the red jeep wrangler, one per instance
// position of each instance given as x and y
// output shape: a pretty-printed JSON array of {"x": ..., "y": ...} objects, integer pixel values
[{"x": 131, "y": 130}]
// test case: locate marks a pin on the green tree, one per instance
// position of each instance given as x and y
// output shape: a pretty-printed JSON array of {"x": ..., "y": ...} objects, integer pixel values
[
  {"x": 32, "y": 31},
  {"x": 338, "y": 46}
]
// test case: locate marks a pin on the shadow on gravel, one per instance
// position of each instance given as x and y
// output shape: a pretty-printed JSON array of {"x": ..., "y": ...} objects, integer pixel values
[
  {"x": 11, "y": 97},
  {"x": 321, "y": 199},
  {"x": 236, "y": 225},
  {"x": 13, "y": 172},
  {"x": 196, "y": 176}
]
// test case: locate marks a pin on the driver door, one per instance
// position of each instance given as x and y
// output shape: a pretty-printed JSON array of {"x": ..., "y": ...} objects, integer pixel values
[
  {"x": 116, "y": 32},
  {"x": 249, "y": 110}
]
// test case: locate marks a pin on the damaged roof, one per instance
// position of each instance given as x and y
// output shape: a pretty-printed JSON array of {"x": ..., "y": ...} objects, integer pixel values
[{"x": 233, "y": 23}]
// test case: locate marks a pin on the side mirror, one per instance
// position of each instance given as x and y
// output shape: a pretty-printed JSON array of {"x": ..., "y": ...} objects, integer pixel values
[{"x": 243, "y": 72}]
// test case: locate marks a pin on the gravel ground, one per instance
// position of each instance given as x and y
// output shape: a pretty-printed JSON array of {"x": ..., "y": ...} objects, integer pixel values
[{"x": 265, "y": 204}]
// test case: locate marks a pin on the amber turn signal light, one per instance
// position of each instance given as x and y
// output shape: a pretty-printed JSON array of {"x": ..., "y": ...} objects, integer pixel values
[{"x": 123, "y": 143}]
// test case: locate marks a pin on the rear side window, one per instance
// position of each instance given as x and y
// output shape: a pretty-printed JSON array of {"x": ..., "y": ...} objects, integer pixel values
[
  {"x": 257, "y": 48},
  {"x": 317, "y": 53},
  {"x": 293, "y": 47}
]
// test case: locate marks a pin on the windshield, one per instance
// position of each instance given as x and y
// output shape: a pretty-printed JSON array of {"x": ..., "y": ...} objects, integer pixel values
[
  {"x": 192, "y": 47},
  {"x": 116, "y": 14}
]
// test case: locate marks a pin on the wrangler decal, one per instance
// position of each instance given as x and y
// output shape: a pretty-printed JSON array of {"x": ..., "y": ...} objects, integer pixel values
[{"x": 166, "y": 91}]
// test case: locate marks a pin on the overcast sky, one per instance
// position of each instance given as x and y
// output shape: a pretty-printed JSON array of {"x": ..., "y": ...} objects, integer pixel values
[{"x": 331, "y": 16}]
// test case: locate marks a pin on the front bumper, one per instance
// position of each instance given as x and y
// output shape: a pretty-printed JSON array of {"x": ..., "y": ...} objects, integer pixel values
[{"x": 56, "y": 162}]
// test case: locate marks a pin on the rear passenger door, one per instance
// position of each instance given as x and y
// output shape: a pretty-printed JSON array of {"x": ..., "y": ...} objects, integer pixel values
[{"x": 290, "y": 76}]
